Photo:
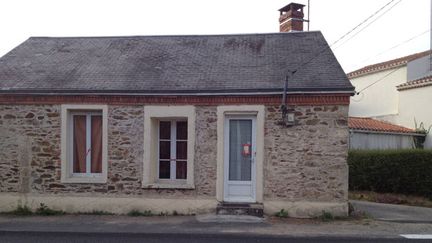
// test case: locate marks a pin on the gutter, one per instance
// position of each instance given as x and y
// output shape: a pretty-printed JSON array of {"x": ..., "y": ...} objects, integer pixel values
[
  {"x": 388, "y": 133},
  {"x": 116, "y": 93}
]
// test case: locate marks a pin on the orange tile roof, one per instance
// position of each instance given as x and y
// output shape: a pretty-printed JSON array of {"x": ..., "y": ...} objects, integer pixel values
[
  {"x": 421, "y": 82},
  {"x": 369, "y": 124},
  {"x": 387, "y": 64}
]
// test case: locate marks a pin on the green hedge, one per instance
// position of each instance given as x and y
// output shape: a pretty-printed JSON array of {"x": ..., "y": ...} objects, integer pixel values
[{"x": 396, "y": 171}]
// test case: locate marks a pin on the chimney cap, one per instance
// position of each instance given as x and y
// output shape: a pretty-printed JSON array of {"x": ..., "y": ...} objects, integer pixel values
[{"x": 293, "y": 6}]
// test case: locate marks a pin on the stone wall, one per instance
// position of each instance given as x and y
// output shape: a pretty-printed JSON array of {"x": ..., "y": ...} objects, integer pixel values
[
  {"x": 30, "y": 153},
  {"x": 307, "y": 162}
]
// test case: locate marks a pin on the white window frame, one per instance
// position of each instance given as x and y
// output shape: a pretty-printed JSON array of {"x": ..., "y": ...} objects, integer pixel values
[
  {"x": 152, "y": 115},
  {"x": 67, "y": 113},
  {"x": 88, "y": 115},
  {"x": 173, "y": 151}
]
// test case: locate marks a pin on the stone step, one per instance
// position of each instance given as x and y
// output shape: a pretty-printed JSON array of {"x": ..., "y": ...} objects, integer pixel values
[{"x": 252, "y": 209}]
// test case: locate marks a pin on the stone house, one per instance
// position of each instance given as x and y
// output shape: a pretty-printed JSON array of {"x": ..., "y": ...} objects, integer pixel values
[{"x": 181, "y": 123}]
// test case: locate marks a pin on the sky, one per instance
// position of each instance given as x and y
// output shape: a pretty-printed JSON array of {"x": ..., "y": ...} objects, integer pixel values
[{"x": 402, "y": 30}]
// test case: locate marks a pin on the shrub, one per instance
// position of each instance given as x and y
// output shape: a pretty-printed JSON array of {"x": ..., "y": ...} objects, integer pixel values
[
  {"x": 46, "y": 211},
  {"x": 21, "y": 211},
  {"x": 326, "y": 216},
  {"x": 407, "y": 171},
  {"x": 282, "y": 214},
  {"x": 136, "y": 213}
]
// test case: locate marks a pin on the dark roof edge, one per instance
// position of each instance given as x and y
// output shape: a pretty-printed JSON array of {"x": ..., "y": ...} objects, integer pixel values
[
  {"x": 386, "y": 132},
  {"x": 348, "y": 90}
]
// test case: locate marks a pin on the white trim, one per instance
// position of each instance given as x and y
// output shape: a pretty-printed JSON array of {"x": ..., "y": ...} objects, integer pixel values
[
  {"x": 67, "y": 175},
  {"x": 152, "y": 115},
  {"x": 173, "y": 151},
  {"x": 259, "y": 111}
]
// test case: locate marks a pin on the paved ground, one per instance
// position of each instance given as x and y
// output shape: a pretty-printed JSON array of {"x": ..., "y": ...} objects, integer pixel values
[
  {"x": 386, "y": 222},
  {"x": 202, "y": 225},
  {"x": 36, "y": 237},
  {"x": 394, "y": 213}
]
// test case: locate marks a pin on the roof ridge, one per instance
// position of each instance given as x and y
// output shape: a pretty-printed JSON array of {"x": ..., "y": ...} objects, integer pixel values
[
  {"x": 356, "y": 123},
  {"x": 416, "y": 83},
  {"x": 389, "y": 64},
  {"x": 168, "y": 36}
]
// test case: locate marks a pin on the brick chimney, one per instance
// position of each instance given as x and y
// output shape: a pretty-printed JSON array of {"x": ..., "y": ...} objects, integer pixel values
[{"x": 291, "y": 18}]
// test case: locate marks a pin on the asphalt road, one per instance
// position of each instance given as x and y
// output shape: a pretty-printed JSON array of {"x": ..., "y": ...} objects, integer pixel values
[{"x": 60, "y": 237}]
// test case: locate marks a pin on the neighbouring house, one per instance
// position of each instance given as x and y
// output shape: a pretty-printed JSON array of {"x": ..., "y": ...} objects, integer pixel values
[
  {"x": 368, "y": 133},
  {"x": 182, "y": 123},
  {"x": 398, "y": 91}
]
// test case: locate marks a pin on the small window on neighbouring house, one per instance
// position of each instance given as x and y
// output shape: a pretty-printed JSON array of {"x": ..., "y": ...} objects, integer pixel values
[
  {"x": 86, "y": 144},
  {"x": 172, "y": 156}
]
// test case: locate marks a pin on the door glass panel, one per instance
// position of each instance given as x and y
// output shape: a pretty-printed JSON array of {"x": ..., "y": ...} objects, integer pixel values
[{"x": 240, "y": 134}]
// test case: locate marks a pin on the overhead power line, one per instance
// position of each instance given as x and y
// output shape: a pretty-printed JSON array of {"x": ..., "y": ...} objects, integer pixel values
[
  {"x": 342, "y": 37},
  {"x": 396, "y": 46},
  {"x": 382, "y": 78},
  {"x": 373, "y": 21}
]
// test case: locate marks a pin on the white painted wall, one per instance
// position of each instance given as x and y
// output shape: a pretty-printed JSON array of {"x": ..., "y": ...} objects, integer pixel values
[
  {"x": 416, "y": 103},
  {"x": 362, "y": 140},
  {"x": 381, "y": 99}
]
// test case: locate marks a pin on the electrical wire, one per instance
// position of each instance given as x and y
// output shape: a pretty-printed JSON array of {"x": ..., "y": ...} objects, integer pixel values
[
  {"x": 396, "y": 46},
  {"x": 382, "y": 78},
  {"x": 355, "y": 34},
  {"x": 343, "y": 36}
]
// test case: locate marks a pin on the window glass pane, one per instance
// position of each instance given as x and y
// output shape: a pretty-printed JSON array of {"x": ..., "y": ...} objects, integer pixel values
[
  {"x": 240, "y": 133},
  {"x": 79, "y": 144},
  {"x": 182, "y": 130},
  {"x": 181, "y": 150},
  {"x": 164, "y": 130},
  {"x": 164, "y": 150},
  {"x": 164, "y": 169},
  {"x": 96, "y": 144},
  {"x": 181, "y": 169}
]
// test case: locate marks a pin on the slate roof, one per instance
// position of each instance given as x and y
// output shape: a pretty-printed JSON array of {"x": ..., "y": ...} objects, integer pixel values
[
  {"x": 172, "y": 64},
  {"x": 369, "y": 124},
  {"x": 382, "y": 66},
  {"x": 421, "y": 82}
]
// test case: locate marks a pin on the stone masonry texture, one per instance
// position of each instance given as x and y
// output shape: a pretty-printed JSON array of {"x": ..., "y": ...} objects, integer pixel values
[
  {"x": 307, "y": 162},
  {"x": 303, "y": 162}
]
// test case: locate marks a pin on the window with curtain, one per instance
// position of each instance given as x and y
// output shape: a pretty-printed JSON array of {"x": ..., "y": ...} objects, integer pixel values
[
  {"x": 86, "y": 143},
  {"x": 172, "y": 157}
]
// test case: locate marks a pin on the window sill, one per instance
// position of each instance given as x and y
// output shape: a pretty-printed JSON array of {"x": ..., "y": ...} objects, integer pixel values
[
  {"x": 94, "y": 180},
  {"x": 168, "y": 186}
]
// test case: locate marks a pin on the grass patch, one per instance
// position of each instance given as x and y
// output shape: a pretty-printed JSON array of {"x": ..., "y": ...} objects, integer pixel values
[
  {"x": 282, "y": 214},
  {"x": 137, "y": 213},
  {"x": 95, "y": 212},
  {"x": 391, "y": 198},
  {"x": 327, "y": 217},
  {"x": 20, "y": 211},
  {"x": 44, "y": 210}
]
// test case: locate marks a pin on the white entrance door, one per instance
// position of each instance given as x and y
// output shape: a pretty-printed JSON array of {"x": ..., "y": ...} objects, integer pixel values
[{"x": 239, "y": 158}]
